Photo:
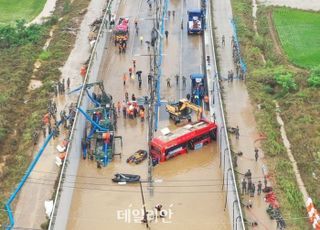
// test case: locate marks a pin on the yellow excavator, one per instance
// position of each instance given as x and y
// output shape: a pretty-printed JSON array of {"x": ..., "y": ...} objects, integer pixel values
[{"x": 182, "y": 110}]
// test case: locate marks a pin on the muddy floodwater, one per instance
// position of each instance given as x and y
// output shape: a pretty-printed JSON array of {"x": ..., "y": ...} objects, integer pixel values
[{"x": 189, "y": 186}]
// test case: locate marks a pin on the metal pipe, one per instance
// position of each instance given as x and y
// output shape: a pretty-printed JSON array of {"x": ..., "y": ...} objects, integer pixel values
[
  {"x": 145, "y": 217},
  {"x": 233, "y": 213},
  {"x": 225, "y": 205}
]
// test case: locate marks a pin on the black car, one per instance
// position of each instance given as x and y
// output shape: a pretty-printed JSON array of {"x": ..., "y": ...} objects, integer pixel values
[{"x": 129, "y": 178}]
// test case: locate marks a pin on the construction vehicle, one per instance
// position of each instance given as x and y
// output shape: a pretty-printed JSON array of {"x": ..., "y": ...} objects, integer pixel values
[
  {"x": 195, "y": 21},
  {"x": 197, "y": 88},
  {"x": 182, "y": 110},
  {"x": 121, "y": 30},
  {"x": 99, "y": 138}
]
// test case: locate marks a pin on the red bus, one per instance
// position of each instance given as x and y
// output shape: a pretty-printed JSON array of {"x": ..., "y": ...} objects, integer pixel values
[{"x": 191, "y": 136}]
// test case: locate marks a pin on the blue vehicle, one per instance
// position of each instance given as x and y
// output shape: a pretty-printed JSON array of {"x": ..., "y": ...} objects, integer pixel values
[
  {"x": 195, "y": 21},
  {"x": 197, "y": 88}
]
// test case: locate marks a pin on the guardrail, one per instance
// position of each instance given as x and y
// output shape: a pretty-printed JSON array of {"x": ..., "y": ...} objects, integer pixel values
[
  {"x": 232, "y": 199},
  {"x": 63, "y": 197}
]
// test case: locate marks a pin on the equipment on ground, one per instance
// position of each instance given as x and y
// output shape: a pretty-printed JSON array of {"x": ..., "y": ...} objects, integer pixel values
[
  {"x": 121, "y": 30},
  {"x": 138, "y": 156},
  {"x": 182, "y": 110},
  {"x": 198, "y": 90},
  {"x": 128, "y": 178},
  {"x": 191, "y": 136},
  {"x": 195, "y": 22}
]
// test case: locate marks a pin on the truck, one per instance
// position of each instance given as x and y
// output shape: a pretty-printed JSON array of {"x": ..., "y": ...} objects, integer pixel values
[
  {"x": 195, "y": 21},
  {"x": 197, "y": 88},
  {"x": 121, "y": 30},
  {"x": 182, "y": 110}
]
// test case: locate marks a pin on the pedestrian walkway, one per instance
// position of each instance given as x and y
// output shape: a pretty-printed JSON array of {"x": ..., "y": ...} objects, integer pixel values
[{"x": 240, "y": 113}]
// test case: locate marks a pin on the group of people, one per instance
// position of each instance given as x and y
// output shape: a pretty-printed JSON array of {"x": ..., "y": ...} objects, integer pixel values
[
  {"x": 122, "y": 45},
  {"x": 249, "y": 188},
  {"x": 131, "y": 109},
  {"x": 60, "y": 87}
]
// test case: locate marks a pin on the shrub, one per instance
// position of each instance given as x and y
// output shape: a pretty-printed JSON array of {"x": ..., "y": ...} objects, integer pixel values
[
  {"x": 286, "y": 81},
  {"x": 314, "y": 79}
]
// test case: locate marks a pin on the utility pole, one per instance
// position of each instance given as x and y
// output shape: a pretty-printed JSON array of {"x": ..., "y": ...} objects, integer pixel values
[{"x": 145, "y": 216}]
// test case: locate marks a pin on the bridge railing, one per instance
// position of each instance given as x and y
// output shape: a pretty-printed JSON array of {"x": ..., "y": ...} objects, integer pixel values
[{"x": 232, "y": 200}]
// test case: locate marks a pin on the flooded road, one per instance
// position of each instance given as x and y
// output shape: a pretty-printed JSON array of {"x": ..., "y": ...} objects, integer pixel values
[{"x": 189, "y": 186}]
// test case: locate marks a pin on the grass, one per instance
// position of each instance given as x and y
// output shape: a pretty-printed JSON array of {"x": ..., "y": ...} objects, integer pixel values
[
  {"x": 11, "y": 10},
  {"x": 299, "y": 32}
]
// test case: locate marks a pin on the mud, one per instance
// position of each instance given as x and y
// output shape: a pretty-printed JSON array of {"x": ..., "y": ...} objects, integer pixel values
[
  {"x": 190, "y": 186},
  {"x": 305, "y": 5},
  {"x": 34, "y": 84}
]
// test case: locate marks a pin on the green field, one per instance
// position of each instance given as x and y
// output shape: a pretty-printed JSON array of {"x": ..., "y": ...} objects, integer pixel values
[
  {"x": 299, "y": 33},
  {"x": 11, "y": 10}
]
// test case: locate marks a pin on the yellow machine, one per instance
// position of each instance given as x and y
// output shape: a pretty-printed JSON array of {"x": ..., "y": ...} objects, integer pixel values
[{"x": 182, "y": 110}]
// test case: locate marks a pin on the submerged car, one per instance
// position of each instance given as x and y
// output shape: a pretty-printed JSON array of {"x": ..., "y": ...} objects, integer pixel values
[
  {"x": 129, "y": 178},
  {"x": 138, "y": 157}
]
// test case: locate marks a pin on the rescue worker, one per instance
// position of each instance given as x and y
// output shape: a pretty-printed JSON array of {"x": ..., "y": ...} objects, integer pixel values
[
  {"x": 248, "y": 174},
  {"x": 184, "y": 81},
  {"x": 253, "y": 189},
  {"x": 149, "y": 78},
  {"x": 168, "y": 82},
  {"x": 206, "y": 101},
  {"x": 256, "y": 154},
  {"x": 142, "y": 115},
  {"x": 265, "y": 181},
  {"x": 244, "y": 186},
  {"x": 140, "y": 83},
  {"x": 177, "y": 79},
  {"x": 166, "y": 33},
  {"x": 44, "y": 131},
  {"x": 118, "y": 107},
  {"x": 125, "y": 78},
  {"x": 223, "y": 41},
  {"x": 141, "y": 40},
  {"x": 237, "y": 132},
  {"x": 134, "y": 63},
  {"x": 259, "y": 187},
  {"x": 124, "y": 109},
  {"x": 249, "y": 186}
]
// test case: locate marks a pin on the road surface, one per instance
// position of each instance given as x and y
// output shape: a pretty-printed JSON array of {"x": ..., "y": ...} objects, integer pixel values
[{"x": 188, "y": 186}]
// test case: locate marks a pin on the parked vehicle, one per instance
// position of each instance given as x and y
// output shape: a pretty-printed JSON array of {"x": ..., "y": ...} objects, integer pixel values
[
  {"x": 195, "y": 21},
  {"x": 138, "y": 156},
  {"x": 128, "y": 178},
  {"x": 173, "y": 143}
]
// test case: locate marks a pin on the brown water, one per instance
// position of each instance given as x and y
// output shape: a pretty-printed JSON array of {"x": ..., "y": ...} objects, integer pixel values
[{"x": 189, "y": 185}]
